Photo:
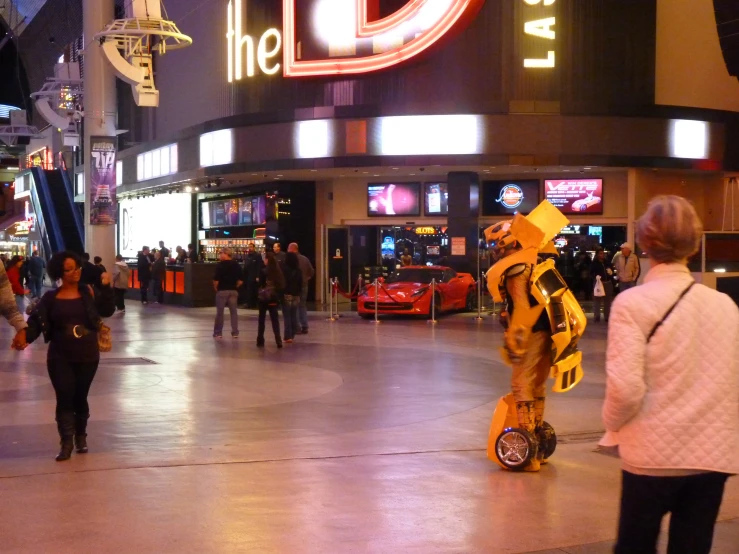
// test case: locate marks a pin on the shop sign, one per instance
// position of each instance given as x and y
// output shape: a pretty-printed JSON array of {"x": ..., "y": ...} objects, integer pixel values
[
  {"x": 425, "y": 230},
  {"x": 459, "y": 246},
  {"x": 338, "y": 37},
  {"x": 511, "y": 197},
  {"x": 543, "y": 29},
  {"x": 104, "y": 209}
]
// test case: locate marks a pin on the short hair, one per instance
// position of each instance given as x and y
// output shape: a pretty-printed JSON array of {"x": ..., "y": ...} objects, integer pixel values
[
  {"x": 144, "y": 248},
  {"x": 119, "y": 258},
  {"x": 35, "y": 253},
  {"x": 227, "y": 251},
  {"x": 670, "y": 230},
  {"x": 97, "y": 259},
  {"x": 190, "y": 246},
  {"x": 55, "y": 267},
  {"x": 85, "y": 257}
]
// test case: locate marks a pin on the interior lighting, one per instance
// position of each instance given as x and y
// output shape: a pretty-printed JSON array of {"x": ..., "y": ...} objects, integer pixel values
[
  {"x": 216, "y": 148},
  {"x": 430, "y": 135},
  {"x": 188, "y": 189},
  {"x": 689, "y": 139},
  {"x": 313, "y": 139},
  {"x": 719, "y": 270}
]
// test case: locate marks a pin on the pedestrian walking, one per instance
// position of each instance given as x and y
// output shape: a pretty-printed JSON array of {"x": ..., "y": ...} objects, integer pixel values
[
  {"x": 308, "y": 272},
  {"x": 36, "y": 269},
  {"x": 291, "y": 296},
  {"x": 601, "y": 273},
  {"x": 69, "y": 319},
  {"x": 90, "y": 272},
  {"x": 672, "y": 390},
  {"x": 271, "y": 284},
  {"x": 226, "y": 282},
  {"x": 121, "y": 275},
  {"x": 9, "y": 310},
  {"x": 158, "y": 275},
  {"x": 14, "y": 273},
  {"x": 143, "y": 268}
]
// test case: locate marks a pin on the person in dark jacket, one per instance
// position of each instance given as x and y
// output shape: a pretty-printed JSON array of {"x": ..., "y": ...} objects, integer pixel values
[
  {"x": 158, "y": 274},
  {"x": 143, "y": 266},
  {"x": 192, "y": 254},
  {"x": 90, "y": 272},
  {"x": 36, "y": 268},
  {"x": 69, "y": 319},
  {"x": 252, "y": 268},
  {"x": 291, "y": 295},
  {"x": 602, "y": 268},
  {"x": 227, "y": 280},
  {"x": 271, "y": 285}
]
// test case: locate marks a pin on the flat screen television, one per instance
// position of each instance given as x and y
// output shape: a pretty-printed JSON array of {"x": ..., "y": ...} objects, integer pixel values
[
  {"x": 436, "y": 198},
  {"x": 232, "y": 212},
  {"x": 509, "y": 197},
  {"x": 575, "y": 196},
  {"x": 393, "y": 199}
]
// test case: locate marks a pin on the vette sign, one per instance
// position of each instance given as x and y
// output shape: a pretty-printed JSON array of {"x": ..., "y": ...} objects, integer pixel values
[{"x": 340, "y": 37}]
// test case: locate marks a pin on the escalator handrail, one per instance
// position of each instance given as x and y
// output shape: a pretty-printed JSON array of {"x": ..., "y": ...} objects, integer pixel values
[
  {"x": 42, "y": 186},
  {"x": 70, "y": 195},
  {"x": 41, "y": 222}
]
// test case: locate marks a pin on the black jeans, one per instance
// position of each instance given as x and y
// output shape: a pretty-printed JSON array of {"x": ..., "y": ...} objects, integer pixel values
[
  {"x": 265, "y": 307},
  {"x": 144, "y": 289},
  {"x": 693, "y": 501},
  {"x": 71, "y": 381},
  {"x": 159, "y": 290},
  {"x": 120, "y": 295}
]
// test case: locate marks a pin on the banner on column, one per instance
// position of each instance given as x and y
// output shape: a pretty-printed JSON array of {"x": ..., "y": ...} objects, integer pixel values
[{"x": 104, "y": 207}]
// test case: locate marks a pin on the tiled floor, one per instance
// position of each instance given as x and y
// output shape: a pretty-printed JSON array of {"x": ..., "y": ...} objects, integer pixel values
[{"x": 356, "y": 438}]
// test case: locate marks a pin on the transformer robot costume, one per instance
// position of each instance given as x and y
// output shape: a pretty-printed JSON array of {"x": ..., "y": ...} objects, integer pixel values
[{"x": 543, "y": 323}]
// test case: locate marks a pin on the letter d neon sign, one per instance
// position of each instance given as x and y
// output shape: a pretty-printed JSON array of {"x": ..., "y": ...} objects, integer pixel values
[{"x": 340, "y": 34}]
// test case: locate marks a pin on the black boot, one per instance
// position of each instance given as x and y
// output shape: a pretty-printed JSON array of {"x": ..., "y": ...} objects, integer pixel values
[
  {"x": 65, "y": 426},
  {"x": 80, "y": 433}
]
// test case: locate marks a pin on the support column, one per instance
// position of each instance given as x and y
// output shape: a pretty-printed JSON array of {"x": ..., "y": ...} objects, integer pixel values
[
  {"x": 631, "y": 208},
  {"x": 100, "y": 117},
  {"x": 464, "y": 206}
]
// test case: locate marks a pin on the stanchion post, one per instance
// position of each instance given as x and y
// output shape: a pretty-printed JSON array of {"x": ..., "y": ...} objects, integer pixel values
[
  {"x": 432, "y": 321},
  {"x": 479, "y": 317},
  {"x": 331, "y": 299},
  {"x": 377, "y": 292}
]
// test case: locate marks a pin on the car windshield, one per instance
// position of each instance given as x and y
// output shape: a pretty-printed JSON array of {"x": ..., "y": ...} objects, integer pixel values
[{"x": 415, "y": 276}]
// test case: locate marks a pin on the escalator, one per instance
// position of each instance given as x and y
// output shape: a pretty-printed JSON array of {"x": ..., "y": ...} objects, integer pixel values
[{"x": 61, "y": 221}]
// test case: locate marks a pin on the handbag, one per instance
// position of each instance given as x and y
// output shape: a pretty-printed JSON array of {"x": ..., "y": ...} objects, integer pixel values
[
  {"x": 105, "y": 338},
  {"x": 599, "y": 290},
  {"x": 267, "y": 293}
]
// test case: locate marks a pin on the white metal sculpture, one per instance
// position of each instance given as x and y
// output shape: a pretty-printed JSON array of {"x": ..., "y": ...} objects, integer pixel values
[
  {"x": 129, "y": 44},
  {"x": 60, "y": 101},
  {"x": 18, "y": 128}
]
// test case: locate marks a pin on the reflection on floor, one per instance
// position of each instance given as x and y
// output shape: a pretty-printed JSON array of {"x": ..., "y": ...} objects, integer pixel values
[{"x": 356, "y": 438}]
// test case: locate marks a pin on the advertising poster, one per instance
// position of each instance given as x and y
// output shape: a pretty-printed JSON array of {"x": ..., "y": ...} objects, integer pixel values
[
  {"x": 437, "y": 199},
  {"x": 394, "y": 199},
  {"x": 459, "y": 246},
  {"x": 104, "y": 208},
  {"x": 509, "y": 197},
  {"x": 575, "y": 196}
]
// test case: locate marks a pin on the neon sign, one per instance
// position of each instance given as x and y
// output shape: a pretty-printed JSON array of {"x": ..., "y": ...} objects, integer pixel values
[
  {"x": 345, "y": 37},
  {"x": 543, "y": 29}
]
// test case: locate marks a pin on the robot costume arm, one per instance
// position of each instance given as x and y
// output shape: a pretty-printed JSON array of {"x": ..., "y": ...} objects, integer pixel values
[
  {"x": 517, "y": 289},
  {"x": 625, "y": 368}
]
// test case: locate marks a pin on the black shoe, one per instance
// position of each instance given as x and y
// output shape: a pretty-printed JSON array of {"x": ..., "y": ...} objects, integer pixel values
[
  {"x": 279, "y": 343},
  {"x": 80, "y": 444},
  {"x": 66, "y": 451},
  {"x": 260, "y": 343},
  {"x": 304, "y": 331}
]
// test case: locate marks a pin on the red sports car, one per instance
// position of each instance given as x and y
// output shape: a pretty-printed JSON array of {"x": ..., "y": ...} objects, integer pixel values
[{"x": 408, "y": 292}]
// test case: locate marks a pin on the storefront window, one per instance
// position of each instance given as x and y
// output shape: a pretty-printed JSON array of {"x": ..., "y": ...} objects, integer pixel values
[{"x": 157, "y": 163}]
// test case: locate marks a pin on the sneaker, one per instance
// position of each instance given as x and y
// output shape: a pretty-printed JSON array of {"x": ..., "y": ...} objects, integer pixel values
[
  {"x": 217, "y": 336},
  {"x": 288, "y": 340},
  {"x": 234, "y": 335}
]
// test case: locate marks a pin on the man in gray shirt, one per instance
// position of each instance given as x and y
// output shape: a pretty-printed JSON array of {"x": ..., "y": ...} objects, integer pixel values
[{"x": 306, "y": 268}]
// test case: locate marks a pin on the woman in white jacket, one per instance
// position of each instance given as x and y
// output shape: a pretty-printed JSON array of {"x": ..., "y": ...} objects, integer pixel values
[{"x": 672, "y": 390}]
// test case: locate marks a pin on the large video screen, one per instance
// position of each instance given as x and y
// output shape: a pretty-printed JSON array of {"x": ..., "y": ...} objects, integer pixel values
[
  {"x": 233, "y": 212},
  {"x": 575, "y": 196},
  {"x": 146, "y": 221},
  {"x": 437, "y": 199},
  {"x": 394, "y": 199},
  {"x": 509, "y": 197}
]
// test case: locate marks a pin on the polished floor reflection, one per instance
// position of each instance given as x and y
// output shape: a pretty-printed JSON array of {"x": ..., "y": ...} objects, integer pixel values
[{"x": 356, "y": 438}]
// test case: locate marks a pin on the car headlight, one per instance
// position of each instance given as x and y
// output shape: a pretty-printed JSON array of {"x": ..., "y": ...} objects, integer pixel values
[{"x": 419, "y": 293}]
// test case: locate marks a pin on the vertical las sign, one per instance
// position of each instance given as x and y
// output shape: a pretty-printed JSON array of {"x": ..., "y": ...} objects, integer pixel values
[{"x": 541, "y": 28}]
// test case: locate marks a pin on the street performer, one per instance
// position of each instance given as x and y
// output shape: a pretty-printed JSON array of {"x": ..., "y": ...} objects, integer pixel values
[{"x": 543, "y": 323}]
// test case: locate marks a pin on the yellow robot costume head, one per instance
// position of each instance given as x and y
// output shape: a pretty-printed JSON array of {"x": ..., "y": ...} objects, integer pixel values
[{"x": 500, "y": 240}]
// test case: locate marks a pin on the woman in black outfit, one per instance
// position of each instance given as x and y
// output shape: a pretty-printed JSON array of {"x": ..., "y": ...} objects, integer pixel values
[
  {"x": 271, "y": 285},
  {"x": 69, "y": 318},
  {"x": 291, "y": 297},
  {"x": 602, "y": 268}
]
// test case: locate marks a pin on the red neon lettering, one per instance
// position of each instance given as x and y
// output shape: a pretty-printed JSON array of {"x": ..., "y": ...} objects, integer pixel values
[{"x": 458, "y": 12}]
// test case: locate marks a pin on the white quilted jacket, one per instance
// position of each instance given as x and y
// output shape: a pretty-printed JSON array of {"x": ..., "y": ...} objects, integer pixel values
[{"x": 675, "y": 402}]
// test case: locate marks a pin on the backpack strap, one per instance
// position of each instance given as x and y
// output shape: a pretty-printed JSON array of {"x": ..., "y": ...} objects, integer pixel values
[{"x": 661, "y": 321}]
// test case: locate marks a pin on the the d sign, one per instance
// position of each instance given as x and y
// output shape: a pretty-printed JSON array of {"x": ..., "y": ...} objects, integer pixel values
[{"x": 334, "y": 37}]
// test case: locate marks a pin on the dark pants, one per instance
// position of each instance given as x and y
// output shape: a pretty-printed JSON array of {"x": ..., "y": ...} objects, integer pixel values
[
  {"x": 71, "y": 381},
  {"x": 120, "y": 296},
  {"x": 604, "y": 300},
  {"x": 252, "y": 288},
  {"x": 290, "y": 316},
  {"x": 693, "y": 501},
  {"x": 144, "y": 289},
  {"x": 159, "y": 290},
  {"x": 265, "y": 307}
]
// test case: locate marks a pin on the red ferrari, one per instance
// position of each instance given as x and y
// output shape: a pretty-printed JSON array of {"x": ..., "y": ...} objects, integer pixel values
[{"x": 408, "y": 292}]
